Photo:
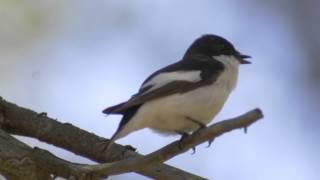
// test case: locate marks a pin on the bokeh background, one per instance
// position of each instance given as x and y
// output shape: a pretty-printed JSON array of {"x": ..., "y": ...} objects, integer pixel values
[{"x": 73, "y": 58}]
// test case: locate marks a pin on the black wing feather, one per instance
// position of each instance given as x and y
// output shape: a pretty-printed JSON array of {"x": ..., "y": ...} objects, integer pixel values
[{"x": 210, "y": 70}]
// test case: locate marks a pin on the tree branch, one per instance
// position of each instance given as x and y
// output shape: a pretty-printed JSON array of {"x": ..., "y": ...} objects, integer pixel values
[
  {"x": 21, "y": 121},
  {"x": 25, "y": 122},
  {"x": 177, "y": 147},
  {"x": 19, "y": 161}
]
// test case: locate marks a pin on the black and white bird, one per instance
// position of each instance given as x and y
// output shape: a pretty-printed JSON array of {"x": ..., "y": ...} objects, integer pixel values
[{"x": 186, "y": 95}]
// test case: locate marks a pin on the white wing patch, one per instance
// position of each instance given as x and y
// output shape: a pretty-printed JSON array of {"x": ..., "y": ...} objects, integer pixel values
[{"x": 164, "y": 78}]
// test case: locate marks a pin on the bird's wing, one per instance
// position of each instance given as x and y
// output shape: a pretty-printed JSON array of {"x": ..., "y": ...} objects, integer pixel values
[{"x": 183, "y": 76}]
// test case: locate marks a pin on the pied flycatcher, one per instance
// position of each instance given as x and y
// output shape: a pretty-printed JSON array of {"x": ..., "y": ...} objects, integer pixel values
[{"x": 184, "y": 96}]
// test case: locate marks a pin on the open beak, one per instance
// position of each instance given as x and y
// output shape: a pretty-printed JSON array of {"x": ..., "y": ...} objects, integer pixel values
[{"x": 242, "y": 57}]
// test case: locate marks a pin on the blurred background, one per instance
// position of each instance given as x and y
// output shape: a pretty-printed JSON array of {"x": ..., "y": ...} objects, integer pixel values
[{"x": 74, "y": 58}]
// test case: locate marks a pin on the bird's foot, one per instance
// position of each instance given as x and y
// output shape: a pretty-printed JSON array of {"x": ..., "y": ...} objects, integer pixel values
[
  {"x": 245, "y": 129},
  {"x": 210, "y": 142},
  {"x": 193, "y": 150},
  {"x": 183, "y": 136},
  {"x": 201, "y": 126}
]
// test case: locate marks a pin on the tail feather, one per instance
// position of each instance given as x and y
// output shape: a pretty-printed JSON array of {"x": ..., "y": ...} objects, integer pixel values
[
  {"x": 117, "y": 135},
  {"x": 110, "y": 143},
  {"x": 122, "y": 130},
  {"x": 113, "y": 109}
]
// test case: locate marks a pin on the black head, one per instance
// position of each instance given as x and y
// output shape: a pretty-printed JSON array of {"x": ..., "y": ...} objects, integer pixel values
[{"x": 213, "y": 45}]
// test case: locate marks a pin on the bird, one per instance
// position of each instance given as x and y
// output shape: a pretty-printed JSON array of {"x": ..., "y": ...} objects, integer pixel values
[{"x": 185, "y": 96}]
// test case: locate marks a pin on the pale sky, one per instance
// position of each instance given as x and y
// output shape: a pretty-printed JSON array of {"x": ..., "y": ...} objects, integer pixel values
[{"x": 72, "y": 59}]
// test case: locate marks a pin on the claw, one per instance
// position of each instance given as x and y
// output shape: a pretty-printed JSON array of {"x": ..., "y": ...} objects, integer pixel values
[
  {"x": 210, "y": 142},
  {"x": 183, "y": 136},
  {"x": 245, "y": 129},
  {"x": 193, "y": 150}
]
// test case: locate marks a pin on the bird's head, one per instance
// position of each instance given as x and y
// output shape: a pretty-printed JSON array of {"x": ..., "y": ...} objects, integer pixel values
[{"x": 213, "y": 45}]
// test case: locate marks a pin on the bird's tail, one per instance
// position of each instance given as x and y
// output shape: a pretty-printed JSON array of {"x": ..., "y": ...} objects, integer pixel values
[
  {"x": 123, "y": 128},
  {"x": 110, "y": 143},
  {"x": 113, "y": 109}
]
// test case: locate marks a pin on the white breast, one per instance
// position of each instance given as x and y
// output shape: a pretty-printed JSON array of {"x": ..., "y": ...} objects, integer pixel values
[{"x": 230, "y": 76}]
